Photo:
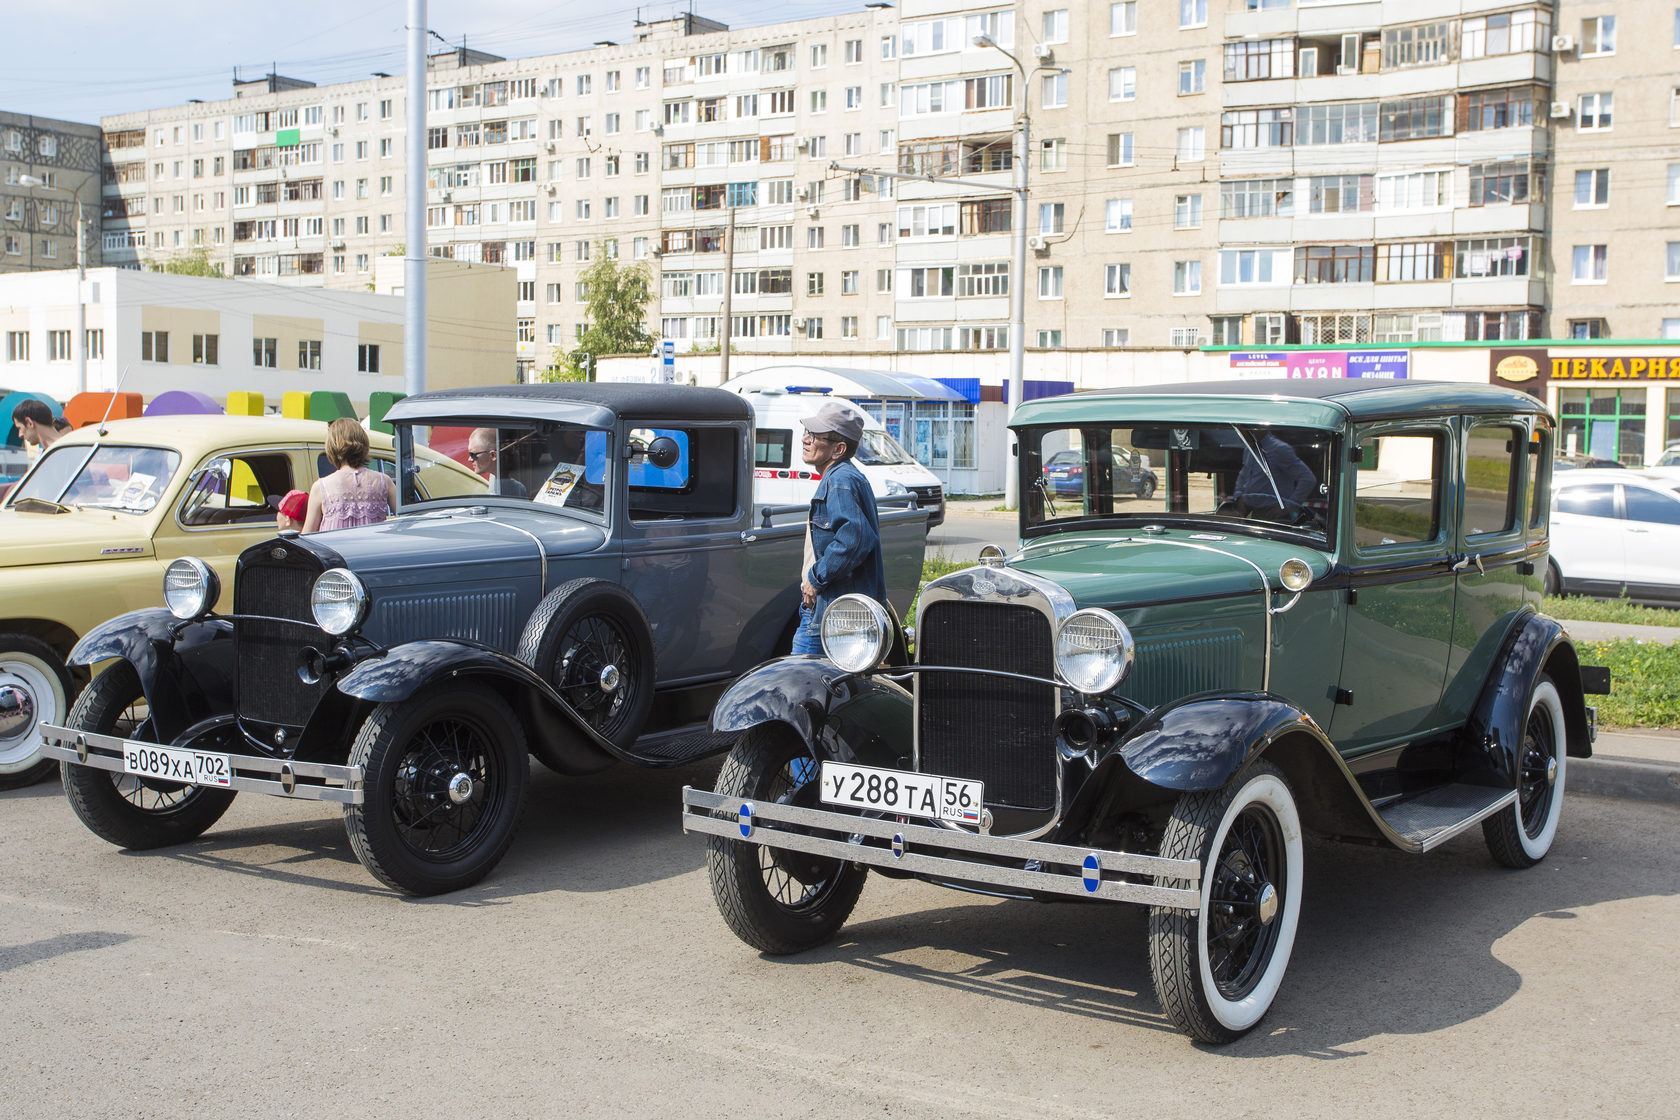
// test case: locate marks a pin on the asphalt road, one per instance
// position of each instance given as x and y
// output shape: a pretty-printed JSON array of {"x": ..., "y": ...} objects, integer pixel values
[
  {"x": 961, "y": 535},
  {"x": 259, "y": 972}
]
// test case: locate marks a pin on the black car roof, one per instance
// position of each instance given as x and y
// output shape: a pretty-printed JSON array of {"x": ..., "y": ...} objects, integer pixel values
[
  {"x": 603, "y": 401},
  {"x": 1363, "y": 398}
]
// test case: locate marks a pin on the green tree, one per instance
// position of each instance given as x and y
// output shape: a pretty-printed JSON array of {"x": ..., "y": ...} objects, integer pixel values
[
  {"x": 195, "y": 262},
  {"x": 618, "y": 295}
]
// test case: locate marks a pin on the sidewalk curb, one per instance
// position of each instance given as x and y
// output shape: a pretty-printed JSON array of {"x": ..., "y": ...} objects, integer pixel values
[{"x": 1627, "y": 778}]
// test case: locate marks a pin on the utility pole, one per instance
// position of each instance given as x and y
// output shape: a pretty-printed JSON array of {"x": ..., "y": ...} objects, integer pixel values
[
  {"x": 80, "y": 341},
  {"x": 725, "y": 330}
]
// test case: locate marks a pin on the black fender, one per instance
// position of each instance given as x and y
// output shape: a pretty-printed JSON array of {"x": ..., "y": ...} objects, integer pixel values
[
  {"x": 868, "y": 721},
  {"x": 1201, "y": 742},
  {"x": 185, "y": 669},
  {"x": 413, "y": 666},
  {"x": 1493, "y": 735}
]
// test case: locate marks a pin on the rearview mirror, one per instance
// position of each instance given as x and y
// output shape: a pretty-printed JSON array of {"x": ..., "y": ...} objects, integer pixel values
[{"x": 663, "y": 453}]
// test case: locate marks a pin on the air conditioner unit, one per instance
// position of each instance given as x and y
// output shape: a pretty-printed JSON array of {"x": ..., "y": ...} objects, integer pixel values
[
  {"x": 1044, "y": 52},
  {"x": 799, "y": 321},
  {"x": 657, "y": 252},
  {"x": 659, "y": 130},
  {"x": 802, "y": 193},
  {"x": 551, "y": 188},
  {"x": 445, "y": 196},
  {"x": 802, "y": 143},
  {"x": 334, "y": 130},
  {"x": 338, "y": 244},
  {"x": 810, "y": 211},
  {"x": 1559, "y": 109},
  {"x": 1037, "y": 244},
  {"x": 1562, "y": 43},
  {"x": 549, "y": 146}
]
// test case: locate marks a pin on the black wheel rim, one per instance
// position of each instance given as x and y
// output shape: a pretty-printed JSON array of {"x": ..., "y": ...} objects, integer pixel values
[
  {"x": 796, "y": 882},
  {"x": 1240, "y": 941},
  {"x": 449, "y": 784},
  {"x": 1539, "y": 759},
  {"x": 146, "y": 794},
  {"x": 592, "y": 647}
]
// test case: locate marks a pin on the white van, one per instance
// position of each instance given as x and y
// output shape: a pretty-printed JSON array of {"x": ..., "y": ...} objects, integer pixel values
[{"x": 780, "y": 476}]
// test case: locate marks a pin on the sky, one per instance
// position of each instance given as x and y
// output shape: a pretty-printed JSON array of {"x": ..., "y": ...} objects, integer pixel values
[{"x": 94, "y": 58}]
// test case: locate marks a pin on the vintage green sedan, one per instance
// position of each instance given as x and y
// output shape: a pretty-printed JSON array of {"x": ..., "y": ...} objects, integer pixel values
[
  {"x": 1324, "y": 619},
  {"x": 86, "y": 535}
]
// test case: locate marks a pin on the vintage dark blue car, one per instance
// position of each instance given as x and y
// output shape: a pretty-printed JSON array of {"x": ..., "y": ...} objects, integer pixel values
[{"x": 590, "y": 607}]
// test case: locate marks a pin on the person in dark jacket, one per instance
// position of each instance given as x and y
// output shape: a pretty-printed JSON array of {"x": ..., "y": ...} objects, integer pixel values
[{"x": 843, "y": 536}]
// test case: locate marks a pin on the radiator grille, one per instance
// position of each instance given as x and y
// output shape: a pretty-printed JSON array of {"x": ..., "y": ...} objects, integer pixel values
[
  {"x": 994, "y": 729},
  {"x": 266, "y": 649}
]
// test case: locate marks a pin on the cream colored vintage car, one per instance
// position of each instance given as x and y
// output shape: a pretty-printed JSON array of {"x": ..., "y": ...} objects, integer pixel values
[{"x": 86, "y": 535}]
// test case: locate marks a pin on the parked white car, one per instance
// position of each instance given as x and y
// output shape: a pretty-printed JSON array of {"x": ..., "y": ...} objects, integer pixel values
[
  {"x": 781, "y": 477},
  {"x": 1615, "y": 533}
]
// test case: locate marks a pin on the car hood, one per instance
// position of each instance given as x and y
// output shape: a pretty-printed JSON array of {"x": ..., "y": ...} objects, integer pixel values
[
  {"x": 414, "y": 544},
  {"x": 67, "y": 538},
  {"x": 1120, "y": 570}
]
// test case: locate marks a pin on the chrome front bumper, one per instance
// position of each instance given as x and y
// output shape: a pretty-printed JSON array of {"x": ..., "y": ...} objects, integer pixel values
[
  {"x": 308, "y": 781},
  {"x": 937, "y": 853}
]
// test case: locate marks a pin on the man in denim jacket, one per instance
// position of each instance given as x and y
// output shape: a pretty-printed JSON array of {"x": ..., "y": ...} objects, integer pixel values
[{"x": 843, "y": 537}]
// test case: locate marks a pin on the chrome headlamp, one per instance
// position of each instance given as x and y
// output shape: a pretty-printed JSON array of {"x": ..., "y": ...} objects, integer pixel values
[
  {"x": 190, "y": 588},
  {"x": 338, "y": 601},
  {"x": 856, "y": 633},
  {"x": 1094, "y": 650}
]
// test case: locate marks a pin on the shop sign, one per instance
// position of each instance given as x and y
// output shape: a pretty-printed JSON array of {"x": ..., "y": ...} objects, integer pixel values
[
  {"x": 1619, "y": 368},
  {"x": 1520, "y": 369},
  {"x": 1386, "y": 365},
  {"x": 1381, "y": 365}
]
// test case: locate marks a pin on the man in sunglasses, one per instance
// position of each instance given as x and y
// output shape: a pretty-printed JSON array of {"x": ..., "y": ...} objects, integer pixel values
[
  {"x": 482, "y": 455},
  {"x": 843, "y": 535}
]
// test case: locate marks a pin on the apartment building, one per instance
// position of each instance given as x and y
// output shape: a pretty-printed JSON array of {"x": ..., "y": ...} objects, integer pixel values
[
  {"x": 1222, "y": 172},
  {"x": 49, "y": 177}
]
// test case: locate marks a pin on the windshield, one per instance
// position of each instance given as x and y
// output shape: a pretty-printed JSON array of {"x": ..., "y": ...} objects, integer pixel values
[
  {"x": 1236, "y": 477},
  {"x": 523, "y": 461},
  {"x": 107, "y": 476},
  {"x": 878, "y": 449}
]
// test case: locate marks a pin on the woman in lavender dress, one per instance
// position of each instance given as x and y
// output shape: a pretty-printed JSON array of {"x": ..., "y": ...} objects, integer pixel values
[{"x": 354, "y": 494}]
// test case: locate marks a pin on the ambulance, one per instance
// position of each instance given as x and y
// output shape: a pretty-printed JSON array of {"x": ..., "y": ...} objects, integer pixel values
[{"x": 782, "y": 478}]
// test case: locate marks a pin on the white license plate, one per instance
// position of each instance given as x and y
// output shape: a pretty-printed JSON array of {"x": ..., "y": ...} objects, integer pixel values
[
  {"x": 902, "y": 793},
  {"x": 174, "y": 765}
]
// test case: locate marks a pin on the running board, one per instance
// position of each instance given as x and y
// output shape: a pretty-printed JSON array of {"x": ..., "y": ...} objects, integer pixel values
[{"x": 1436, "y": 816}]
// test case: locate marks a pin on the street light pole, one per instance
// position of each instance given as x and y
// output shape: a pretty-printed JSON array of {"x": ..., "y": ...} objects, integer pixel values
[{"x": 1018, "y": 283}]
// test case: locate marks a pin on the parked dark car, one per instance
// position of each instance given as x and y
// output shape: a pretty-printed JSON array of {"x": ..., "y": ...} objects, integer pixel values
[
  {"x": 1151, "y": 702},
  {"x": 1064, "y": 475},
  {"x": 589, "y": 607}
]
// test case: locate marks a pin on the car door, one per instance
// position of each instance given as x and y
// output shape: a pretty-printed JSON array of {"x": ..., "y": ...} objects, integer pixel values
[
  {"x": 228, "y": 505},
  {"x": 1398, "y": 552},
  {"x": 1496, "y": 566},
  {"x": 683, "y": 554},
  {"x": 1588, "y": 537},
  {"x": 1651, "y": 541}
]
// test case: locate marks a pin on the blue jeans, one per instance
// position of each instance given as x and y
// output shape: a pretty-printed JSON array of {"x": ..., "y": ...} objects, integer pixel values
[{"x": 807, "y": 639}]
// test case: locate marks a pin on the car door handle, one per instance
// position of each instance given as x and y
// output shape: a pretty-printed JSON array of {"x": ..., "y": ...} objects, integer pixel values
[
  {"x": 1465, "y": 560},
  {"x": 1461, "y": 563}
]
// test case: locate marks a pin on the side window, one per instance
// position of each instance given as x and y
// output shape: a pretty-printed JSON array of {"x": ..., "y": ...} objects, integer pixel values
[
  {"x": 1650, "y": 506},
  {"x": 1397, "y": 490},
  {"x": 773, "y": 448},
  {"x": 237, "y": 490},
  {"x": 1539, "y": 478},
  {"x": 1587, "y": 501},
  {"x": 701, "y": 483},
  {"x": 1491, "y": 482}
]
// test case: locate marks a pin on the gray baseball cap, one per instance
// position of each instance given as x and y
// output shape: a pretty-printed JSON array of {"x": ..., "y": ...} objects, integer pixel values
[{"x": 835, "y": 418}]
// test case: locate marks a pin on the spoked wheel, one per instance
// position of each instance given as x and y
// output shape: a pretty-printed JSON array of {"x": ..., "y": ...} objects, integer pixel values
[
  {"x": 1522, "y": 837},
  {"x": 777, "y": 901},
  {"x": 591, "y": 640},
  {"x": 130, "y": 811},
  {"x": 34, "y": 687},
  {"x": 1217, "y": 971},
  {"x": 443, "y": 780}
]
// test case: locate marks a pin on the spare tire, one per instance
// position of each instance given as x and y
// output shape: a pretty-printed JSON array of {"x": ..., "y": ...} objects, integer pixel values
[{"x": 591, "y": 641}]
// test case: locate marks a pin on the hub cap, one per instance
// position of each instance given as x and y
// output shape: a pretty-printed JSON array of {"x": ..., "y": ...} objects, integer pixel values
[
  {"x": 460, "y": 789},
  {"x": 17, "y": 709},
  {"x": 610, "y": 678}
]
